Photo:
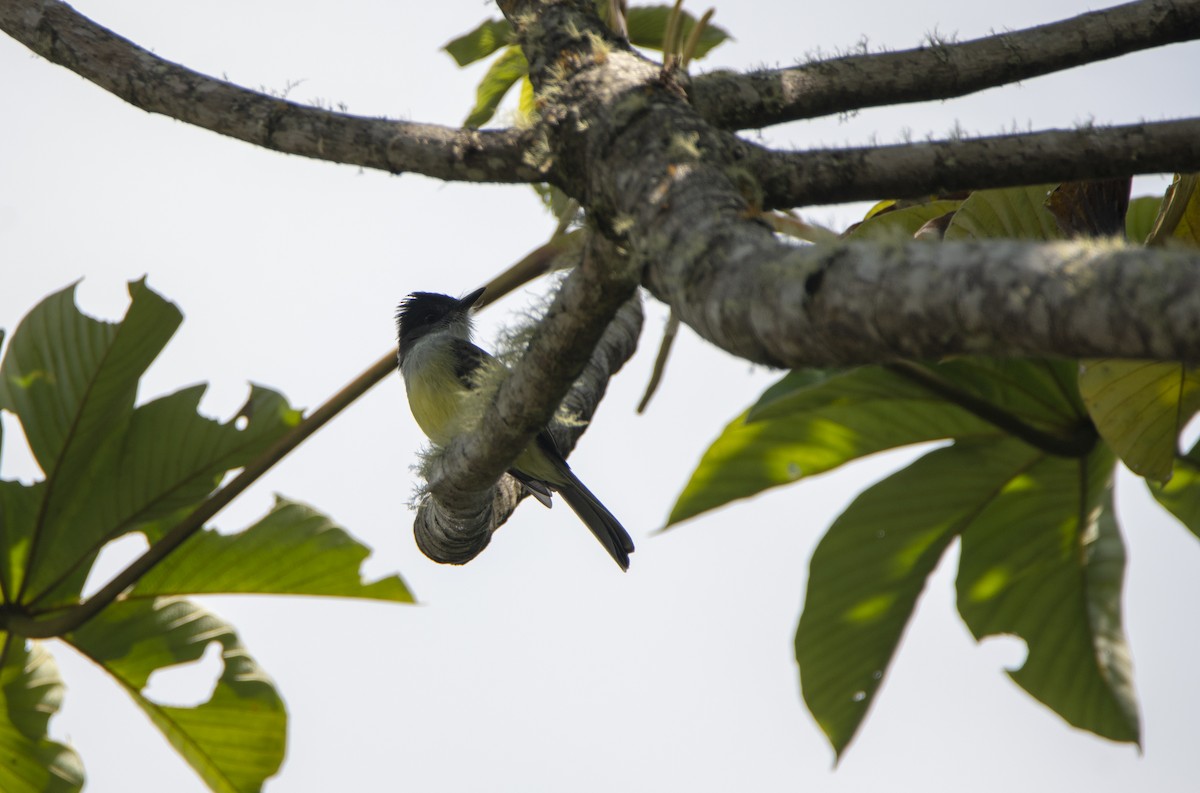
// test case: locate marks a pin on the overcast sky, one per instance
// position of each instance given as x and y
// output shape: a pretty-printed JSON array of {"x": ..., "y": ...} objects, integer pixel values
[{"x": 539, "y": 666}]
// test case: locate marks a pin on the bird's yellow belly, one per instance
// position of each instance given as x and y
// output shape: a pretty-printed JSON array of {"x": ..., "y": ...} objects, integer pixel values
[{"x": 436, "y": 399}]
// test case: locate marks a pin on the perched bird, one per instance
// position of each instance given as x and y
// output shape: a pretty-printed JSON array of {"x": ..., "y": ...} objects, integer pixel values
[{"x": 441, "y": 367}]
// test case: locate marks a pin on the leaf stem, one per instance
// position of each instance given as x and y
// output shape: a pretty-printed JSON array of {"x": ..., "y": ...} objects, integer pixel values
[
  {"x": 66, "y": 621},
  {"x": 1078, "y": 444}
]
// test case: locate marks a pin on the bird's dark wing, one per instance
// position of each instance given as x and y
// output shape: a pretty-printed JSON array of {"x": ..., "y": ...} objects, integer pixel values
[{"x": 467, "y": 360}]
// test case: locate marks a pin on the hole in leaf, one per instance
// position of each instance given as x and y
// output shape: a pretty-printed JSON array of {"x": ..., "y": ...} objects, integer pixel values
[
  {"x": 187, "y": 685},
  {"x": 241, "y": 422},
  {"x": 113, "y": 558},
  {"x": 1006, "y": 650}
]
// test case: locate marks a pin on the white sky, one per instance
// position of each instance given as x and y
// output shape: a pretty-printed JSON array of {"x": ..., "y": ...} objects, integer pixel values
[{"x": 538, "y": 667}]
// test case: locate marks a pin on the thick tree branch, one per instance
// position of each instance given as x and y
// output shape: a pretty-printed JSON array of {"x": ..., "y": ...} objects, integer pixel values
[
  {"x": 679, "y": 194},
  {"x": 940, "y": 71},
  {"x": 575, "y": 349},
  {"x": 857, "y": 303},
  {"x": 58, "y": 33},
  {"x": 829, "y": 176}
]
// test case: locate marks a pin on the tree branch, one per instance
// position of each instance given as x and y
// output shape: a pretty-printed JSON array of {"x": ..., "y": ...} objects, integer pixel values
[
  {"x": 589, "y": 332},
  {"x": 805, "y": 178},
  {"x": 679, "y": 195},
  {"x": 58, "y": 33},
  {"x": 939, "y": 71}
]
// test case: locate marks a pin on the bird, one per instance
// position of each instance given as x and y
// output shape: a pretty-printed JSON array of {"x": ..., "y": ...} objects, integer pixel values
[{"x": 441, "y": 367}]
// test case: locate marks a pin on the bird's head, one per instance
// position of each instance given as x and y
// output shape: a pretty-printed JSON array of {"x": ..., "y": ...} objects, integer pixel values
[{"x": 422, "y": 313}]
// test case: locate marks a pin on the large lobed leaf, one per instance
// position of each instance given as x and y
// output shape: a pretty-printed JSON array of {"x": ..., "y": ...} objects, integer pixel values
[
  {"x": 114, "y": 468},
  {"x": 872, "y": 564},
  {"x": 236, "y": 739},
  {"x": 71, "y": 381},
  {"x": 111, "y": 469},
  {"x": 1045, "y": 561},
  {"x": 1027, "y": 484},
  {"x": 293, "y": 550},
  {"x": 809, "y": 423}
]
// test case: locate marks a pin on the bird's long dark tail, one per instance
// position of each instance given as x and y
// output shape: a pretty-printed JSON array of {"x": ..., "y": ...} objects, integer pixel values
[{"x": 604, "y": 525}]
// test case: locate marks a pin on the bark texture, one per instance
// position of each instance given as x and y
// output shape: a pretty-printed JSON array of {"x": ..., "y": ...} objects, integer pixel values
[
  {"x": 940, "y": 70},
  {"x": 673, "y": 200}
]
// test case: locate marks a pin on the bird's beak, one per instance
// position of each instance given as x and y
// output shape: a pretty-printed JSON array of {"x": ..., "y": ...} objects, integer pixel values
[{"x": 470, "y": 300}]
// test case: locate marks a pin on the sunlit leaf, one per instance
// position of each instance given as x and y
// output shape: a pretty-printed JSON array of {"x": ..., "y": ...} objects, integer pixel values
[
  {"x": 872, "y": 564},
  {"x": 1188, "y": 228},
  {"x": 71, "y": 381},
  {"x": 235, "y": 740},
  {"x": 527, "y": 101},
  {"x": 901, "y": 223},
  {"x": 1139, "y": 408},
  {"x": 1181, "y": 496},
  {"x": 1012, "y": 212},
  {"x": 293, "y": 550},
  {"x": 1045, "y": 561},
  {"x": 1178, "y": 218},
  {"x": 30, "y": 693},
  {"x": 1139, "y": 220},
  {"x": 806, "y": 426},
  {"x": 480, "y": 42},
  {"x": 648, "y": 24},
  {"x": 509, "y": 67},
  {"x": 169, "y": 458}
]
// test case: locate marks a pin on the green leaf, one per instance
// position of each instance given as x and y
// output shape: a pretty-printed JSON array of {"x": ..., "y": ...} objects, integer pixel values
[
  {"x": 1044, "y": 560},
  {"x": 293, "y": 550},
  {"x": 1139, "y": 220},
  {"x": 901, "y": 223},
  {"x": 1179, "y": 214},
  {"x": 480, "y": 42},
  {"x": 527, "y": 102},
  {"x": 236, "y": 739},
  {"x": 30, "y": 693},
  {"x": 1013, "y": 212},
  {"x": 19, "y": 505},
  {"x": 811, "y": 423},
  {"x": 648, "y": 24},
  {"x": 1188, "y": 228},
  {"x": 872, "y": 564},
  {"x": 1181, "y": 496},
  {"x": 71, "y": 381},
  {"x": 1139, "y": 408},
  {"x": 504, "y": 71},
  {"x": 168, "y": 459}
]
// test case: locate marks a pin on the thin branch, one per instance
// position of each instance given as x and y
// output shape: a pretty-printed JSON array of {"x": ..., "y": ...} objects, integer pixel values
[
  {"x": 940, "y": 71},
  {"x": 911, "y": 170},
  {"x": 66, "y": 621},
  {"x": 58, "y": 33},
  {"x": 670, "y": 331}
]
